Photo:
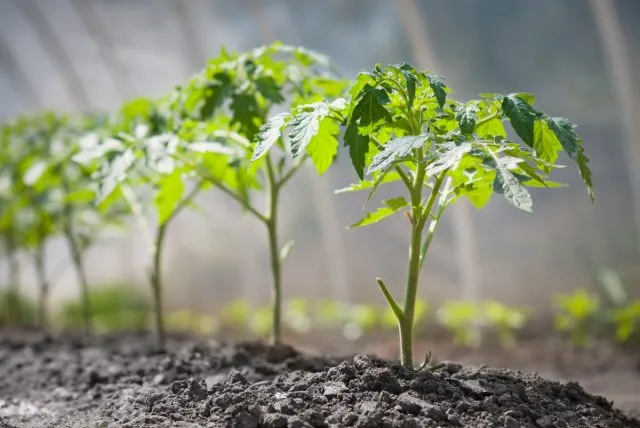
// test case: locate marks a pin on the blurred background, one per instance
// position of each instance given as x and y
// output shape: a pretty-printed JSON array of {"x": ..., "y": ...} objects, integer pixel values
[{"x": 578, "y": 56}]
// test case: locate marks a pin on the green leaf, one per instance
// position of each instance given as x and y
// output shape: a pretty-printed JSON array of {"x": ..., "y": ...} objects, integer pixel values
[
  {"x": 585, "y": 173},
  {"x": 491, "y": 128},
  {"x": 269, "y": 88},
  {"x": 473, "y": 180},
  {"x": 411, "y": 85},
  {"x": 246, "y": 112},
  {"x": 449, "y": 159},
  {"x": 167, "y": 197},
  {"x": 438, "y": 87},
  {"x": 396, "y": 149},
  {"x": 34, "y": 173},
  {"x": 358, "y": 147},
  {"x": 214, "y": 95},
  {"x": 521, "y": 115},
  {"x": 513, "y": 191},
  {"x": 391, "y": 206},
  {"x": 545, "y": 143},
  {"x": 369, "y": 112},
  {"x": 117, "y": 170},
  {"x": 389, "y": 177},
  {"x": 565, "y": 132},
  {"x": 527, "y": 97},
  {"x": 269, "y": 133},
  {"x": 323, "y": 147},
  {"x": 305, "y": 125},
  {"x": 466, "y": 117},
  {"x": 547, "y": 184},
  {"x": 213, "y": 147}
]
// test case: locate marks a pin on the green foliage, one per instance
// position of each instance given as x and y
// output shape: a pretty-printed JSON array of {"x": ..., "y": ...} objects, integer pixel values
[
  {"x": 468, "y": 320},
  {"x": 237, "y": 313},
  {"x": 505, "y": 320},
  {"x": 231, "y": 100},
  {"x": 185, "y": 321},
  {"x": 361, "y": 319},
  {"x": 399, "y": 120},
  {"x": 297, "y": 315},
  {"x": 575, "y": 316},
  {"x": 618, "y": 311},
  {"x": 261, "y": 321},
  {"x": 627, "y": 321},
  {"x": 116, "y": 307},
  {"x": 44, "y": 194},
  {"x": 329, "y": 314},
  {"x": 463, "y": 320}
]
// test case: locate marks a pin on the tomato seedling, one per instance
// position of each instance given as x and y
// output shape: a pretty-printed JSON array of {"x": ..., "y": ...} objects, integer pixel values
[
  {"x": 43, "y": 196},
  {"x": 400, "y": 126},
  {"x": 250, "y": 86},
  {"x": 135, "y": 160}
]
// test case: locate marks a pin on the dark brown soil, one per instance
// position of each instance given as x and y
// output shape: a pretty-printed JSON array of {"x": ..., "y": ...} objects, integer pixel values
[{"x": 121, "y": 381}]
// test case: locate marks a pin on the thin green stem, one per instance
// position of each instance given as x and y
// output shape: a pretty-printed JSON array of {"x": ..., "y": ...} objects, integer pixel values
[
  {"x": 14, "y": 273},
  {"x": 435, "y": 219},
  {"x": 433, "y": 225},
  {"x": 433, "y": 196},
  {"x": 403, "y": 175},
  {"x": 287, "y": 176},
  {"x": 271, "y": 222},
  {"x": 156, "y": 283},
  {"x": 138, "y": 214},
  {"x": 207, "y": 176},
  {"x": 390, "y": 300},
  {"x": 77, "y": 258},
  {"x": 185, "y": 201},
  {"x": 486, "y": 119},
  {"x": 41, "y": 274},
  {"x": 155, "y": 277}
]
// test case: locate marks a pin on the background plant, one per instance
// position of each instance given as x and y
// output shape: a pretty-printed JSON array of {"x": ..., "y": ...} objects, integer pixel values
[
  {"x": 134, "y": 161},
  {"x": 504, "y": 320},
  {"x": 44, "y": 197},
  {"x": 115, "y": 307},
  {"x": 576, "y": 315},
  {"x": 239, "y": 92},
  {"x": 400, "y": 126},
  {"x": 463, "y": 321},
  {"x": 619, "y": 311}
]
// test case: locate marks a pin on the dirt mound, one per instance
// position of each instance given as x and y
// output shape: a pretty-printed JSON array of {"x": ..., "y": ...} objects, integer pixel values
[{"x": 122, "y": 382}]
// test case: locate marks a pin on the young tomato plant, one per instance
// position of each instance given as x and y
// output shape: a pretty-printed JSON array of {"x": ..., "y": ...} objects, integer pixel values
[
  {"x": 576, "y": 315},
  {"x": 252, "y": 154},
  {"x": 134, "y": 161},
  {"x": 400, "y": 126},
  {"x": 43, "y": 203}
]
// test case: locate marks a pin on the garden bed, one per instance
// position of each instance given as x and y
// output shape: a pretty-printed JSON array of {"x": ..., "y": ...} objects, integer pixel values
[{"x": 120, "y": 380}]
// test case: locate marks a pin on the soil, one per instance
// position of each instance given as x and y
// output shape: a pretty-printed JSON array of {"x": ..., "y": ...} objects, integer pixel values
[{"x": 122, "y": 381}]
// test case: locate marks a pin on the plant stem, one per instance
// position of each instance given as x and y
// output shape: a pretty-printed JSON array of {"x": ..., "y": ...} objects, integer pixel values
[
  {"x": 156, "y": 283},
  {"x": 406, "y": 322},
  {"x": 14, "y": 273},
  {"x": 207, "y": 176},
  {"x": 271, "y": 222},
  {"x": 78, "y": 263},
  {"x": 39, "y": 261},
  {"x": 155, "y": 277}
]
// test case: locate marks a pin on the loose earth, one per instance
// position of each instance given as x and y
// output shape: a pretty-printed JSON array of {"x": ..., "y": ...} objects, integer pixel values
[{"x": 122, "y": 381}]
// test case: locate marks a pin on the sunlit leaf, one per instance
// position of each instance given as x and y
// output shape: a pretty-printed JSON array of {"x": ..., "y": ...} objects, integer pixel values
[{"x": 391, "y": 206}]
